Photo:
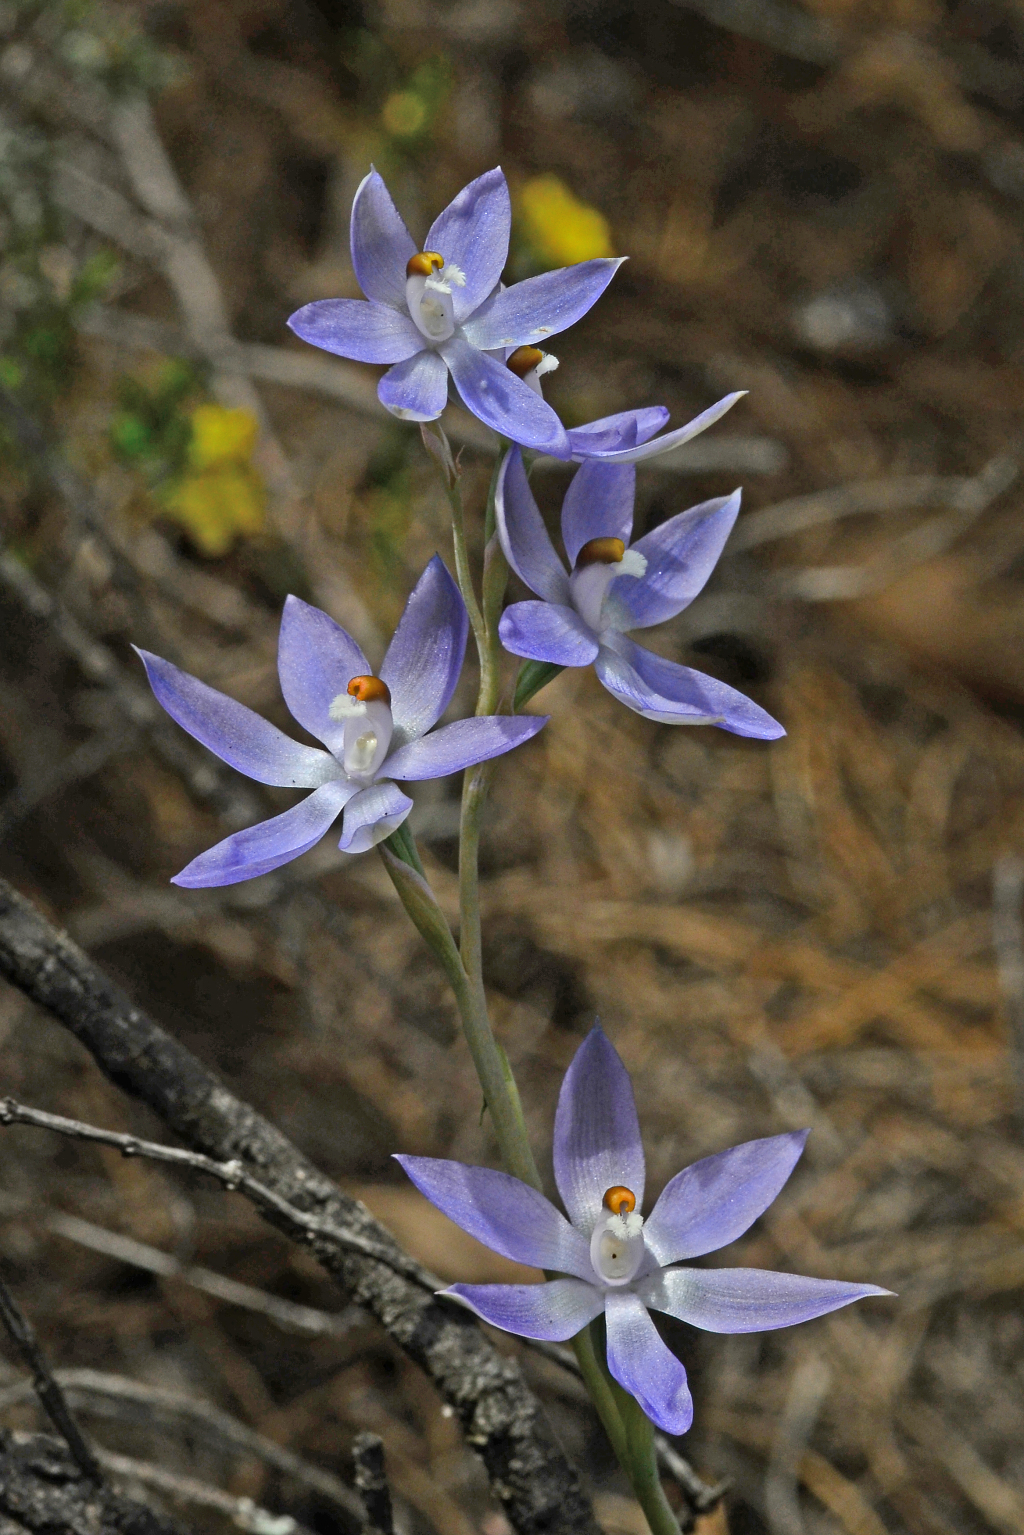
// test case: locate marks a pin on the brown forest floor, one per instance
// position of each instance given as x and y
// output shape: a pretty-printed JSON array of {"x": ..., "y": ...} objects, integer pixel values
[{"x": 825, "y": 207}]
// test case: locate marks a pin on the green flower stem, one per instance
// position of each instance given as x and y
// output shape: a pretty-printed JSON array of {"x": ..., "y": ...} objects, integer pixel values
[
  {"x": 641, "y": 1465},
  {"x": 490, "y": 1061},
  {"x": 464, "y": 969},
  {"x": 475, "y": 784},
  {"x": 599, "y": 1386}
]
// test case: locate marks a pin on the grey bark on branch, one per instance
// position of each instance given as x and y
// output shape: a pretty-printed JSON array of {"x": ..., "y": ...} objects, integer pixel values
[
  {"x": 503, "y": 1422},
  {"x": 43, "y": 1492}
]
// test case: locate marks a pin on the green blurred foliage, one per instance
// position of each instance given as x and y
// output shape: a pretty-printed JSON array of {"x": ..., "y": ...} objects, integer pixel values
[
  {"x": 404, "y": 105},
  {"x": 98, "y": 42},
  {"x": 152, "y": 430}
]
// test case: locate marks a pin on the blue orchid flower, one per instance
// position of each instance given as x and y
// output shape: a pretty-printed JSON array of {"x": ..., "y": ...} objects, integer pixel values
[
  {"x": 611, "y": 586},
  {"x": 614, "y": 1260},
  {"x": 442, "y": 310},
  {"x": 374, "y": 728}
]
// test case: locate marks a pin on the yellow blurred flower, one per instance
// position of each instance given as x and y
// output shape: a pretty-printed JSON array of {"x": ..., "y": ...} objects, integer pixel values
[
  {"x": 562, "y": 229},
  {"x": 221, "y": 497},
  {"x": 221, "y": 435},
  {"x": 218, "y": 506},
  {"x": 404, "y": 114}
]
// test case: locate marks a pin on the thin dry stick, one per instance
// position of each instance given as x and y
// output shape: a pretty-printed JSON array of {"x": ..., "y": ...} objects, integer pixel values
[
  {"x": 371, "y": 1479},
  {"x": 286, "y": 1314},
  {"x": 22, "y": 1335},
  {"x": 966, "y": 498},
  {"x": 231, "y": 1175},
  {"x": 186, "y": 1489},
  {"x": 1008, "y": 942},
  {"x": 897, "y": 493},
  {"x": 113, "y": 1395}
]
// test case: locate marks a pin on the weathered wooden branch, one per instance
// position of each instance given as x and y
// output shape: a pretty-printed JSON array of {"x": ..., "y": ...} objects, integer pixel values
[
  {"x": 538, "y": 1489},
  {"x": 43, "y": 1492}
]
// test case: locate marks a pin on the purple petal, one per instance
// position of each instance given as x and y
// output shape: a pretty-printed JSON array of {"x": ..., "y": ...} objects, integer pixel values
[
  {"x": 524, "y": 538},
  {"x": 267, "y": 845},
  {"x": 381, "y": 244},
  {"x": 682, "y": 434},
  {"x": 507, "y": 1216},
  {"x": 351, "y": 327},
  {"x": 675, "y": 695},
  {"x": 316, "y": 660},
  {"x": 710, "y": 1204},
  {"x": 459, "y": 746},
  {"x": 529, "y": 312},
  {"x": 618, "y": 433},
  {"x": 473, "y": 233},
  {"x": 597, "y": 1135},
  {"x": 681, "y": 554},
  {"x": 371, "y": 815},
  {"x": 426, "y": 653},
  {"x": 746, "y": 1300},
  {"x": 644, "y": 1366},
  {"x": 554, "y": 1311},
  {"x": 547, "y": 631},
  {"x": 492, "y": 392},
  {"x": 237, "y": 735},
  {"x": 417, "y": 389},
  {"x": 598, "y": 504}
]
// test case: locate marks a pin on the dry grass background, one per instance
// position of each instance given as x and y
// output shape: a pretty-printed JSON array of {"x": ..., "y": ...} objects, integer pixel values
[{"x": 822, "y": 205}]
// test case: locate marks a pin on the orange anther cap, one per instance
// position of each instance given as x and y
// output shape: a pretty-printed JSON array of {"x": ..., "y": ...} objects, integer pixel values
[
  {"x": 424, "y": 264},
  {"x": 619, "y": 1200},
  {"x": 370, "y": 690},
  {"x": 601, "y": 551},
  {"x": 524, "y": 359}
]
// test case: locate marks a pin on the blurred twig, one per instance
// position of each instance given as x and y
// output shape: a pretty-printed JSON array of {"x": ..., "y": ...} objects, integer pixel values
[
  {"x": 202, "y": 776},
  {"x": 964, "y": 493},
  {"x": 286, "y": 1314},
  {"x": 22, "y": 1335},
  {"x": 1008, "y": 942},
  {"x": 806, "y": 1394},
  {"x": 100, "y": 1392},
  {"x": 784, "y": 28},
  {"x": 186, "y": 1489},
  {"x": 967, "y": 498},
  {"x": 79, "y": 764},
  {"x": 371, "y": 1479},
  {"x": 232, "y": 1175}
]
